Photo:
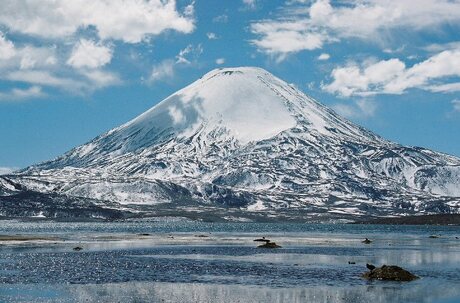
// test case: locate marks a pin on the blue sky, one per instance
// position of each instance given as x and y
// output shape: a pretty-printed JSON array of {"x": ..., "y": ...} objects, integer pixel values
[{"x": 70, "y": 70}]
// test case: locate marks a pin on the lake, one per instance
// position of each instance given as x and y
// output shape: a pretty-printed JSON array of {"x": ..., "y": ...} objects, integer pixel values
[{"x": 182, "y": 261}]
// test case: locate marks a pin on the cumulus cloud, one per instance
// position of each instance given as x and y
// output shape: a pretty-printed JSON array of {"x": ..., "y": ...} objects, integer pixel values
[
  {"x": 324, "y": 57},
  {"x": 6, "y": 48},
  {"x": 212, "y": 36},
  {"x": 220, "y": 61},
  {"x": 35, "y": 66},
  {"x": 87, "y": 53},
  {"x": 24, "y": 57},
  {"x": 56, "y": 22},
  {"x": 284, "y": 38},
  {"x": 308, "y": 26},
  {"x": 129, "y": 21},
  {"x": 36, "y": 57},
  {"x": 394, "y": 77}
]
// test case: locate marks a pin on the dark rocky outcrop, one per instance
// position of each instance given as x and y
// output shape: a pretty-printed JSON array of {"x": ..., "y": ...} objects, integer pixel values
[
  {"x": 389, "y": 273},
  {"x": 269, "y": 245}
]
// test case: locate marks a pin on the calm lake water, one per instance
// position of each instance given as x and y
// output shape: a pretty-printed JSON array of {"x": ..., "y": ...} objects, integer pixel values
[{"x": 180, "y": 261}]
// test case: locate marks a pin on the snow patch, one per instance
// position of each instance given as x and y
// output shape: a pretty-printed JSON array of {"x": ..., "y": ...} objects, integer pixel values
[{"x": 259, "y": 205}]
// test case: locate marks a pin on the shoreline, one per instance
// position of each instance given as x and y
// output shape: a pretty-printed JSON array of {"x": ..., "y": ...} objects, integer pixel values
[
  {"x": 432, "y": 219},
  {"x": 439, "y": 219}
]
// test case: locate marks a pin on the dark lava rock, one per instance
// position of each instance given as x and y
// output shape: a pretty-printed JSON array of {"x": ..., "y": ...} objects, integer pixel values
[
  {"x": 269, "y": 245},
  {"x": 370, "y": 266},
  {"x": 433, "y": 237},
  {"x": 389, "y": 273},
  {"x": 78, "y": 248},
  {"x": 366, "y": 241}
]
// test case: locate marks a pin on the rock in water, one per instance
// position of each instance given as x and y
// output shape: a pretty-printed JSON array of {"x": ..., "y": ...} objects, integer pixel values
[
  {"x": 389, "y": 273},
  {"x": 269, "y": 245}
]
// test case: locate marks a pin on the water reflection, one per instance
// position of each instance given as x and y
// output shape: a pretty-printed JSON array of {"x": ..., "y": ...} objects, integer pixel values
[{"x": 203, "y": 293}]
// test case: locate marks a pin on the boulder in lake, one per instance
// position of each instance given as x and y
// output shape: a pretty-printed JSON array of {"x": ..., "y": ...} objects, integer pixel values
[
  {"x": 269, "y": 245},
  {"x": 389, "y": 273}
]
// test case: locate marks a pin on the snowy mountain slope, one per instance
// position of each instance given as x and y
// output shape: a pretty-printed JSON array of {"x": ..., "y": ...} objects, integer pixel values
[{"x": 240, "y": 137}]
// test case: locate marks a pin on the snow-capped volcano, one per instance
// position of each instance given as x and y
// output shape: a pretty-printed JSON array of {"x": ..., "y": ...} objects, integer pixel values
[{"x": 242, "y": 139}]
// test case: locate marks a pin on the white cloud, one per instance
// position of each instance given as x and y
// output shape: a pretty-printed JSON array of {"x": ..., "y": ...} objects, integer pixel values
[
  {"x": 40, "y": 66},
  {"x": 176, "y": 115},
  {"x": 57, "y": 22},
  {"x": 324, "y": 57},
  {"x": 189, "y": 10},
  {"x": 31, "y": 65},
  {"x": 87, "y": 53},
  {"x": 220, "y": 61},
  {"x": 129, "y": 21},
  {"x": 251, "y": 4},
  {"x": 308, "y": 26},
  {"x": 166, "y": 69},
  {"x": 357, "y": 109},
  {"x": 162, "y": 71},
  {"x": 220, "y": 19},
  {"x": 190, "y": 50},
  {"x": 29, "y": 57},
  {"x": 456, "y": 105},
  {"x": 17, "y": 93},
  {"x": 97, "y": 79},
  {"x": 6, "y": 48},
  {"x": 284, "y": 38},
  {"x": 445, "y": 88},
  {"x": 24, "y": 57},
  {"x": 40, "y": 77},
  {"x": 436, "y": 47},
  {"x": 393, "y": 77},
  {"x": 212, "y": 36},
  {"x": 82, "y": 82}
]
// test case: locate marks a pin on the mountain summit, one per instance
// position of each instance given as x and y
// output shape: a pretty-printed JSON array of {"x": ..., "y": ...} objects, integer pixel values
[{"x": 240, "y": 143}]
